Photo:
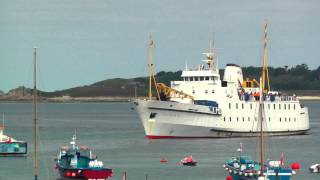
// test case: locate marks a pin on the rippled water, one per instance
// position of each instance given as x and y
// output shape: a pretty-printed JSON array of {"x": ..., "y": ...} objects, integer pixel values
[{"x": 116, "y": 134}]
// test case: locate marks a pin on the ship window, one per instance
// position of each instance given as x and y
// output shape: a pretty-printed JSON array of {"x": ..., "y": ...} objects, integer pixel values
[
  {"x": 212, "y": 91},
  {"x": 295, "y": 119},
  {"x": 274, "y": 106},
  {"x": 229, "y": 105},
  {"x": 230, "y": 119},
  {"x": 268, "y": 106},
  {"x": 289, "y": 119},
  {"x": 236, "y": 105},
  {"x": 294, "y": 107},
  {"x": 243, "y": 119},
  {"x": 280, "y": 119},
  {"x": 269, "y": 119},
  {"x": 285, "y": 119},
  {"x": 201, "y": 78},
  {"x": 193, "y": 91},
  {"x": 206, "y": 91},
  {"x": 255, "y": 118},
  {"x": 224, "y": 118},
  {"x": 237, "y": 119},
  {"x": 289, "y": 106},
  {"x": 207, "y": 78},
  {"x": 191, "y": 78},
  {"x": 250, "y": 106},
  {"x": 285, "y": 106},
  {"x": 242, "y": 106},
  {"x": 248, "y": 119},
  {"x": 279, "y": 106}
]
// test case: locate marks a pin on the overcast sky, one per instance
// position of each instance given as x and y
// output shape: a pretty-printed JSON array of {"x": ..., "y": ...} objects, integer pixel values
[{"x": 84, "y": 41}]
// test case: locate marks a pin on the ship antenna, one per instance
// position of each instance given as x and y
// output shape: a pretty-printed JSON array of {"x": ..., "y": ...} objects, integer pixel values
[
  {"x": 265, "y": 75},
  {"x": 35, "y": 113}
]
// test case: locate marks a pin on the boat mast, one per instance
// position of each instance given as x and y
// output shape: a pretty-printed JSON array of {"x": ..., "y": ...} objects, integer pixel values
[
  {"x": 261, "y": 139},
  {"x": 265, "y": 75},
  {"x": 35, "y": 113},
  {"x": 151, "y": 73},
  {"x": 150, "y": 65}
]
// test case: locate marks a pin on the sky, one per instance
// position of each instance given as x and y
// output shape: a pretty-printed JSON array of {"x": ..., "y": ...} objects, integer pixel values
[{"x": 81, "y": 42}]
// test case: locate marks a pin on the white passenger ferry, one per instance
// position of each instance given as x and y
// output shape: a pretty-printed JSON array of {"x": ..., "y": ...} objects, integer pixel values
[{"x": 204, "y": 105}]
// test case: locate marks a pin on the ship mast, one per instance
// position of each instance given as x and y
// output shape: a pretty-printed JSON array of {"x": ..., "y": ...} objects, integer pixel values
[
  {"x": 151, "y": 73},
  {"x": 265, "y": 75},
  {"x": 35, "y": 113},
  {"x": 261, "y": 139}
]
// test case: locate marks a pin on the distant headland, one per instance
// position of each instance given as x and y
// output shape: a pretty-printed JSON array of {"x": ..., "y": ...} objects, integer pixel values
[{"x": 299, "y": 80}]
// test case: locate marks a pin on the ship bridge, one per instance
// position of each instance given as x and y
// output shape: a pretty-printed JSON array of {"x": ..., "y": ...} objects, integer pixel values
[{"x": 200, "y": 75}]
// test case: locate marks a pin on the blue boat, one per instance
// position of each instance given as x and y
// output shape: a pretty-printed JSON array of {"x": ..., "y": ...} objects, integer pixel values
[
  {"x": 79, "y": 163},
  {"x": 245, "y": 168},
  {"x": 10, "y": 146}
]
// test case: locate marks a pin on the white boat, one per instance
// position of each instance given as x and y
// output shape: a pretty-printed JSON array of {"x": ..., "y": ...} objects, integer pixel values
[
  {"x": 203, "y": 104},
  {"x": 315, "y": 168}
]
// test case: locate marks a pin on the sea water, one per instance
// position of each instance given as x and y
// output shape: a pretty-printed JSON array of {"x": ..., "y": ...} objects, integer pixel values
[{"x": 115, "y": 133}]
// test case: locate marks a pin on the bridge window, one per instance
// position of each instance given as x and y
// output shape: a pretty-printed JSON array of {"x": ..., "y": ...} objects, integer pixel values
[
  {"x": 191, "y": 78},
  {"x": 207, "y": 78},
  {"x": 201, "y": 78}
]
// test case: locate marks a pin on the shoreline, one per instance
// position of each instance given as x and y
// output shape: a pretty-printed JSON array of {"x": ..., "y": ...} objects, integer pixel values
[{"x": 101, "y": 99}]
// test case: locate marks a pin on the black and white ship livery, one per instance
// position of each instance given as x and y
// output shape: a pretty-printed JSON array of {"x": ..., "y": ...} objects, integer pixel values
[{"x": 204, "y": 105}]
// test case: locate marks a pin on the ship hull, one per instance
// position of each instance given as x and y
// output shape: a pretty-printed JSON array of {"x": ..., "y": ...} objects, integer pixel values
[
  {"x": 163, "y": 119},
  {"x": 13, "y": 148}
]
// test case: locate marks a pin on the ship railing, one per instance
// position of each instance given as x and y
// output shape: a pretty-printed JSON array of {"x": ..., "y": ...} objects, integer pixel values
[{"x": 269, "y": 98}]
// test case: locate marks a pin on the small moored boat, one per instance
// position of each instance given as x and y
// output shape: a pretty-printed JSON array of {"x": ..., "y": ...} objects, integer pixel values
[
  {"x": 315, "y": 168},
  {"x": 79, "y": 163},
  {"x": 10, "y": 146},
  {"x": 188, "y": 161}
]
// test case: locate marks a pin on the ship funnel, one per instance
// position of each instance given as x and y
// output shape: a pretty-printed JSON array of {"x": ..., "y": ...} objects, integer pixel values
[{"x": 233, "y": 74}]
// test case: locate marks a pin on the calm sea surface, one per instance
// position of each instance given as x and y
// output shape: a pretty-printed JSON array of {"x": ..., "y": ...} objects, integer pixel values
[{"x": 117, "y": 136}]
